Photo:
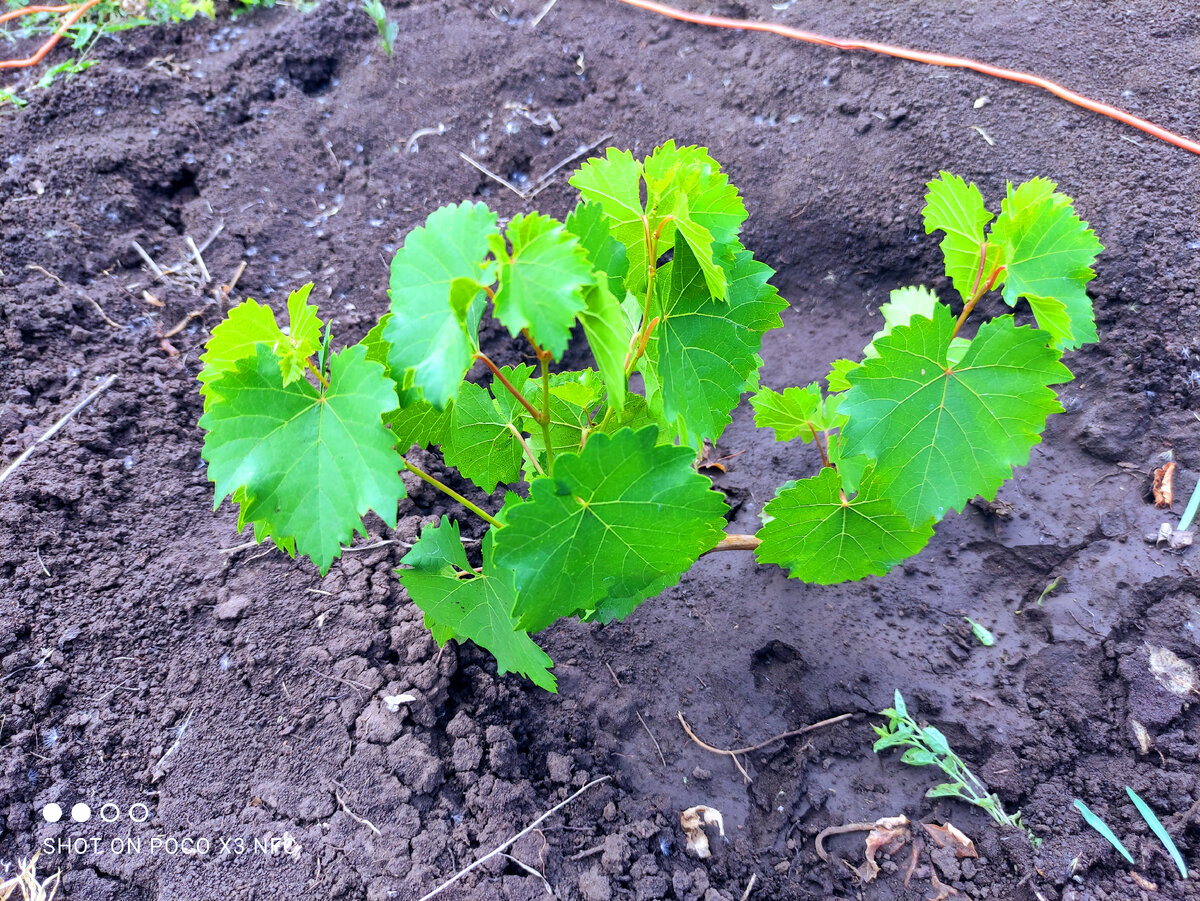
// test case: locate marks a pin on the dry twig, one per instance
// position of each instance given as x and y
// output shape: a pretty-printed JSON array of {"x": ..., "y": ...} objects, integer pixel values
[
  {"x": 652, "y": 738},
  {"x": 500, "y": 848},
  {"x": 544, "y": 181},
  {"x": 54, "y": 428},
  {"x": 733, "y": 752},
  {"x": 362, "y": 821},
  {"x": 58, "y": 281}
]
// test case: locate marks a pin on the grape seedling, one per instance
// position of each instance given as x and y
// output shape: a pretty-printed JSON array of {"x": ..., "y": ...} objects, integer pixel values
[{"x": 604, "y": 506}]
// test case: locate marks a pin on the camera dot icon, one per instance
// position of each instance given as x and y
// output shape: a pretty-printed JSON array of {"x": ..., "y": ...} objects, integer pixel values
[
  {"x": 81, "y": 813},
  {"x": 52, "y": 813}
]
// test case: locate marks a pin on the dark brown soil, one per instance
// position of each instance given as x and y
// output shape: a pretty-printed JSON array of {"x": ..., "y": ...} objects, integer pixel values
[{"x": 238, "y": 695}]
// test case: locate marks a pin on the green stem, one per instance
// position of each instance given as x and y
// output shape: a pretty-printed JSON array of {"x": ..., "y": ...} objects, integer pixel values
[
  {"x": 528, "y": 453},
  {"x": 651, "y": 273},
  {"x": 825, "y": 464},
  {"x": 320, "y": 378},
  {"x": 978, "y": 293},
  {"x": 487, "y": 361},
  {"x": 447, "y": 490},
  {"x": 544, "y": 359}
]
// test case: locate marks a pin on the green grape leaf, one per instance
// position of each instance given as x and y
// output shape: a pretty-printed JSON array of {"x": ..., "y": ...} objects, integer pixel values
[
  {"x": 506, "y": 402},
  {"x": 622, "y": 519},
  {"x": 821, "y": 536},
  {"x": 944, "y": 433},
  {"x": 419, "y": 423},
  {"x": 637, "y": 414},
  {"x": 305, "y": 464},
  {"x": 615, "y": 182},
  {"x": 703, "y": 350},
  {"x": 1048, "y": 254},
  {"x": 481, "y": 442},
  {"x": 609, "y": 338},
  {"x": 956, "y": 208},
  {"x": 378, "y": 348},
  {"x": 903, "y": 305},
  {"x": 850, "y": 468},
  {"x": 839, "y": 371},
  {"x": 572, "y": 395},
  {"x": 796, "y": 412},
  {"x": 608, "y": 332},
  {"x": 304, "y": 332},
  {"x": 437, "y": 282},
  {"x": 713, "y": 203},
  {"x": 250, "y": 324},
  {"x": 705, "y": 209},
  {"x": 462, "y": 604},
  {"x": 700, "y": 240},
  {"x": 607, "y": 256},
  {"x": 542, "y": 280}
]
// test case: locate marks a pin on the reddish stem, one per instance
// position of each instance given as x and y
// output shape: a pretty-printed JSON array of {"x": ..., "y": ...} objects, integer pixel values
[
  {"x": 500, "y": 377},
  {"x": 825, "y": 464},
  {"x": 979, "y": 271},
  {"x": 970, "y": 305}
]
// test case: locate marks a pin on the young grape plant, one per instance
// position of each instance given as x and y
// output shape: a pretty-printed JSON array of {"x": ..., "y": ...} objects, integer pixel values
[{"x": 603, "y": 504}]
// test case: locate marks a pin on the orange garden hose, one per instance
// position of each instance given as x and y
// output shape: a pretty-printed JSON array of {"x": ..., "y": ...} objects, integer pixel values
[
  {"x": 933, "y": 59},
  {"x": 73, "y": 13}
]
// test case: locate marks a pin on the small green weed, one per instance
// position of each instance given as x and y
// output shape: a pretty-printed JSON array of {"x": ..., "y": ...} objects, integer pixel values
[
  {"x": 11, "y": 97},
  {"x": 926, "y": 745},
  {"x": 388, "y": 30}
]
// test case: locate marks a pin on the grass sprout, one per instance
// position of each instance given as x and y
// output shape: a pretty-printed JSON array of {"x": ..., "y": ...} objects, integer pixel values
[
  {"x": 1102, "y": 827},
  {"x": 1157, "y": 828}
]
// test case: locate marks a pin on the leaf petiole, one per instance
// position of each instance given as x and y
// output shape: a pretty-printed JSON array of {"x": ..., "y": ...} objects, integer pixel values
[
  {"x": 825, "y": 464},
  {"x": 447, "y": 490},
  {"x": 320, "y": 378},
  {"x": 530, "y": 455},
  {"x": 544, "y": 359},
  {"x": 975, "y": 296},
  {"x": 500, "y": 377}
]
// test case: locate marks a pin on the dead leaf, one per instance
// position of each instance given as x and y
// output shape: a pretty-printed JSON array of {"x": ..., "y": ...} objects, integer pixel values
[
  {"x": 693, "y": 820},
  {"x": 1142, "y": 736},
  {"x": 709, "y": 460},
  {"x": 1164, "y": 486},
  {"x": 1142, "y": 881},
  {"x": 943, "y": 891},
  {"x": 889, "y": 836},
  {"x": 1173, "y": 674},
  {"x": 912, "y": 863},
  {"x": 950, "y": 836}
]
